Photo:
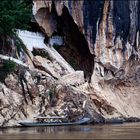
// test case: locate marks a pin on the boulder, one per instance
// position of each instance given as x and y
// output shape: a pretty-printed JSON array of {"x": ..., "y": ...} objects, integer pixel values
[
  {"x": 75, "y": 78},
  {"x": 45, "y": 65}
]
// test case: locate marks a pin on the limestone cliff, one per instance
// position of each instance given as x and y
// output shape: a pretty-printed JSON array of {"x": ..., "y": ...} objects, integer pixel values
[
  {"x": 27, "y": 92},
  {"x": 111, "y": 31},
  {"x": 95, "y": 72},
  {"x": 111, "y": 28}
]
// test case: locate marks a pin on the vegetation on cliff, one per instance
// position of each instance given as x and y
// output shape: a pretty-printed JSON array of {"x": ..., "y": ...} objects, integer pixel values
[{"x": 14, "y": 14}]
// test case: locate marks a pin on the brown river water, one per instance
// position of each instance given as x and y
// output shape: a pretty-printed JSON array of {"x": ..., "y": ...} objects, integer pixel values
[{"x": 110, "y": 131}]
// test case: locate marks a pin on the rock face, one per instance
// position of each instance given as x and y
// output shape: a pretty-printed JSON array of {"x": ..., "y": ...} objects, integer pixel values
[
  {"x": 75, "y": 78},
  {"x": 43, "y": 56},
  {"x": 111, "y": 29},
  {"x": 26, "y": 93},
  {"x": 101, "y": 42},
  {"x": 113, "y": 36}
]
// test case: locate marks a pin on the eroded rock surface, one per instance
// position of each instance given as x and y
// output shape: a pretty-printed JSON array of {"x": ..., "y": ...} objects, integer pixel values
[
  {"x": 113, "y": 36},
  {"x": 27, "y": 93},
  {"x": 111, "y": 29},
  {"x": 75, "y": 78},
  {"x": 101, "y": 37}
]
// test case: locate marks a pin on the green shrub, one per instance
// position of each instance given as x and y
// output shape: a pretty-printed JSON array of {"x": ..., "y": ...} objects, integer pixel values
[
  {"x": 9, "y": 66},
  {"x": 14, "y": 14},
  {"x": 42, "y": 53}
]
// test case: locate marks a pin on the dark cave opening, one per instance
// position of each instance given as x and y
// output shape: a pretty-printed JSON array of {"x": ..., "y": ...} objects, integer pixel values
[
  {"x": 33, "y": 26},
  {"x": 75, "y": 50}
]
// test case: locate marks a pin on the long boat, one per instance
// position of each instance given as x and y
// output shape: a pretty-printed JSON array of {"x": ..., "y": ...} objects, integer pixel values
[{"x": 83, "y": 120}]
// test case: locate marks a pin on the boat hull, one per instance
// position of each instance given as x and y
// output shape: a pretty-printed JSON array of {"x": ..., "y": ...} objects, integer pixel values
[{"x": 34, "y": 124}]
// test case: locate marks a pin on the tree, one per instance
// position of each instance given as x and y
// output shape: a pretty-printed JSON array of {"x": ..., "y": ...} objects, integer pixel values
[{"x": 14, "y": 14}]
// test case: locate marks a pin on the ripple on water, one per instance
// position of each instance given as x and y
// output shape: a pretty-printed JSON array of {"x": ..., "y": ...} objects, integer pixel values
[{"x": 117, "y": 131}]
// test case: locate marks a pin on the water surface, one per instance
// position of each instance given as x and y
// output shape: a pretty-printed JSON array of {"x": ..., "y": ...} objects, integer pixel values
[{"x": 116, "y": 131}]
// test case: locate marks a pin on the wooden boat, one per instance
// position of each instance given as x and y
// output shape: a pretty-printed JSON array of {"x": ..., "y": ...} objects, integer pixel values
[{"x": 57, "y": 121}]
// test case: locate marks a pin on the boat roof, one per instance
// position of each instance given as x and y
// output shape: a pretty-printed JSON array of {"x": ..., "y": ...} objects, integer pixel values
[{"x": 54, "y": 117}]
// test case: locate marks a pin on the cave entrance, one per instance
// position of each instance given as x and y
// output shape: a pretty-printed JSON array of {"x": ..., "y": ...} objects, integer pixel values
[{"x": 75, "y": 49}]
